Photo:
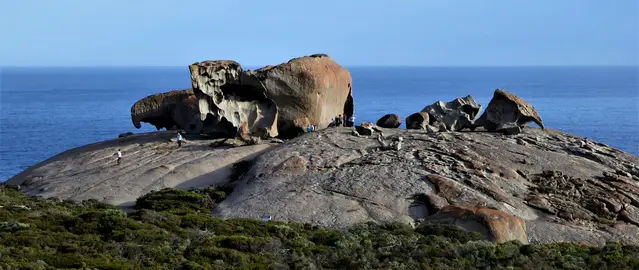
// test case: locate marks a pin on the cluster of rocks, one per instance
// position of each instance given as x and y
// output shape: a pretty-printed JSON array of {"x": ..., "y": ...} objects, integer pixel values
[{"x": 506, "y": 113}]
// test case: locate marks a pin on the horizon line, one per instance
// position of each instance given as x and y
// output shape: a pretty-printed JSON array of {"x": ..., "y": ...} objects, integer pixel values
[{"x": 348, "y": 66}]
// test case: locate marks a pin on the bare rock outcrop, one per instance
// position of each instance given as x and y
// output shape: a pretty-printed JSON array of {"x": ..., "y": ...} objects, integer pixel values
[
  {"x": 418, "y": 120},
  {"x": 494, "y": 225},
  {"x": 390, "y": 120},
  {"x": 176, "y": 109},
  {"x": 508, "y": 113},
  {"x": 225, "y": 102},
  {"x": 335, "y": 179},
  {"x": 454, "y": 115},
  {"x": 150, "y": 161}
]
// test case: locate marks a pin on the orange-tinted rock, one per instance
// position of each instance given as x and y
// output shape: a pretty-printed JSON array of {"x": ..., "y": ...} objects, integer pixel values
[
  {"x": 495, "y": 225},
  {"x": 225, "y": 102},
  {"x": 277, "y": 100},
  {"x": 313, "y": 87}
]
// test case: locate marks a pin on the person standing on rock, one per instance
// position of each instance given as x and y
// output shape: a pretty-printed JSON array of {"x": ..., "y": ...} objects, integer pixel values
[
  {"x": 179, "y": 139},
  {"x": 351, "y": 121},
  {"x": 339, "y": 120},
  {"x": 119, "y": 155}
]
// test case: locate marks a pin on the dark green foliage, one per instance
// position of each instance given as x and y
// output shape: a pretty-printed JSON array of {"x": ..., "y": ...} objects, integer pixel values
[{"x": 173, "y": 229}]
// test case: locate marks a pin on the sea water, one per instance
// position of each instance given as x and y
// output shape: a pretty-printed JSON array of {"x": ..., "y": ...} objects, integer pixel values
[{"x": 45, "y": 111}]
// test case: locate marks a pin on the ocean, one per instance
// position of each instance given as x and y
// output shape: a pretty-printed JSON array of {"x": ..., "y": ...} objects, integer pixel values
[{"x": 45, "y": 111}]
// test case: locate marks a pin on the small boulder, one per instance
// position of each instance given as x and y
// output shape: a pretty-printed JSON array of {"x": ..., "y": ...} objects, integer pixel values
[
  {"x": 454, "y": 115},
  {"x": 508, "y": 113},
  {"x": 366, "y": 129},
  {"x": 390, "y": 120},
  {"x": 417, "y": 120},
  {"x": 496, "y": 226}
]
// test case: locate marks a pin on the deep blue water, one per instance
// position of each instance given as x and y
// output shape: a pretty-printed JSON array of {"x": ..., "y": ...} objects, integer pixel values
[{"x": 44, "y": 111}]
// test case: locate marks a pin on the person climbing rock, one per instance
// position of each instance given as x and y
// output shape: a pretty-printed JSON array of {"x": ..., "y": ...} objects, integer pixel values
[
  {"x": 179, "y": 139},
  {"x": 119, "y": 155}
]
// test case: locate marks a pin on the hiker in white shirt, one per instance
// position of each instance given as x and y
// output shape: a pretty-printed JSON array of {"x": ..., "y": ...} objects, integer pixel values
[
  {"x": 119, "y": 154},
  {"x": 179, "y": 139}
]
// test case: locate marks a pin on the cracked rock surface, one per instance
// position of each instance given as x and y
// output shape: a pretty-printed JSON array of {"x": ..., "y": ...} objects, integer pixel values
[{"x": 562, "y": 190}]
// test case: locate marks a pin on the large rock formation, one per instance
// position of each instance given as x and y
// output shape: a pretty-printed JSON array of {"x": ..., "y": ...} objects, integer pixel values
[
  {"x": 390, "y": 120},
  {"x": 312, "y": 89},
  {"x": 176, "y": 109},
  {"x": 508, "y": 113},
  {"x": 454, "y": 115},
  {"x": 273, "y": 100},
  {"x": 225, "y": 103},
  {"x": 494, "y": 225},
  {"x": 281, "y": 99}
]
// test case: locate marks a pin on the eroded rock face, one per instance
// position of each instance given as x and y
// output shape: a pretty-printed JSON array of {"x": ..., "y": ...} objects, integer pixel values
[
  {"x": 418, "y": 120},
  {"x": 225, "y": 103},
  {"x": 454, "y": 115},
  {"x": 508, "y": 113},
  {"x": 176, "y": 109},
  {"x": 312, "y": 89},
  {"x": 390, "y": 120},
  {"x": 276, "y": 100},
  {"x": 496, "y": 226}
]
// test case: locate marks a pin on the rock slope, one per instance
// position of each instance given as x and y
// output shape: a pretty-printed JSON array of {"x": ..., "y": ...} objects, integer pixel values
[
  {"x": 150, "y": 161},
  {"x": 564, "y": 188}
]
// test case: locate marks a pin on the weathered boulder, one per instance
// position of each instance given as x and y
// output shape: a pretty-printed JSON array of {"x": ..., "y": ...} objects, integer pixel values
[
  {"x": 176, "y": 109},
  {"x": 508, "y": 113},
  {"x": 390, "y": 120},
  {"x": 312, "y": 89},
  {"x": 274, "y": 100},
  {"x": 494, "y": 225},
  {"x": 225, "y": 103},
  {"x": 418, "y": 120},
  {"x": 366, "y": 129},
  {"x": 454, "y": 115}
]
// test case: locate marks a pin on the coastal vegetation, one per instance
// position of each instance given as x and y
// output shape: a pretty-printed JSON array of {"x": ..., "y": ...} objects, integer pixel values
[{"x": 174, "y": 229}]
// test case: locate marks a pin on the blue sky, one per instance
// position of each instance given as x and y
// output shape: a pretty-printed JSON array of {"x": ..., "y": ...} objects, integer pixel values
[{"x": 354, "y": 32}]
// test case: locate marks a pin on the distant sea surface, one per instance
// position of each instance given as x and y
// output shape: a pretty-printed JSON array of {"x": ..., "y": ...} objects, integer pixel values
[{"x": 45, "y": 111}]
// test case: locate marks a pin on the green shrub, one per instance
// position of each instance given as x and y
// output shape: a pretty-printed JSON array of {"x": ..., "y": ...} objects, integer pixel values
[{"x": 175, "y": 230}]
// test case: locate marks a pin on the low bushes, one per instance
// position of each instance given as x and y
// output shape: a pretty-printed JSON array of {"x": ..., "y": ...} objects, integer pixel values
[{"x": 174, "y": 229}]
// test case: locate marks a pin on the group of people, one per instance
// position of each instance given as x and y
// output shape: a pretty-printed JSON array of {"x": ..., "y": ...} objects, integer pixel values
[
  {"x": 345, "y": 121},
  {"x": 118, "y": 154}
]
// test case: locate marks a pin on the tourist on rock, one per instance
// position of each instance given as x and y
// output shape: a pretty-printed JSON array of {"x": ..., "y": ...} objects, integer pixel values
[
  {"x": 351, "y": 121},
  {"x": 119, "y": 155},
  {"x": 309, "y": 129},
  {"x": 179, "y": 139},
  {"x": 339, "y": 120}
]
